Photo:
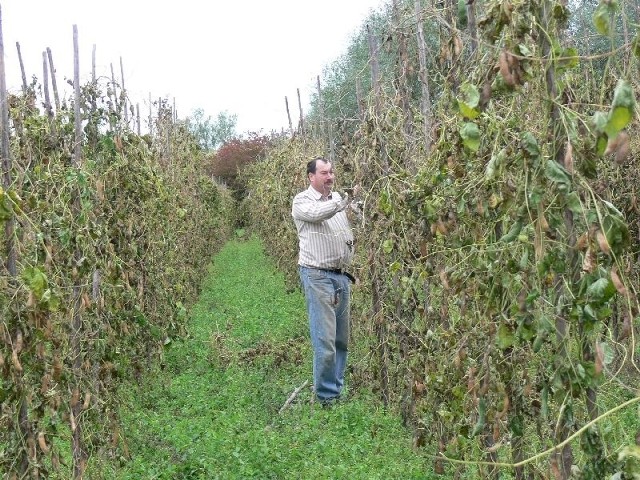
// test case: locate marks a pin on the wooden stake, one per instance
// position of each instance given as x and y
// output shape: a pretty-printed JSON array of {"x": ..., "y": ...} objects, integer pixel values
[
  {"x": 54, "y": 83},
  {"x": 425, "y": 101},
  {"x": 116, "y": 103},
  {"x": 78, "y": 450},
  {"x": 24, "y": 75},
  {"x": 150, "y": 116},
  {"x": 124, "y": 93},
  {"x": 375, "y": 68},
  {"x": 359, "y": 98},
  {"x": 320, "y": 107},
  {"x": 286, "y": 102},
  {"x": 5, "y": 151},
  {"x": 301, "y": 122},
  {"x": 45, "y": 84},
  {"x": 93, "y": 64},
  {"x": 293, "y": 396}
]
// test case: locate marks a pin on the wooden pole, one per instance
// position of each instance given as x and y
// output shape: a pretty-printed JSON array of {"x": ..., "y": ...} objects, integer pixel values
[
  {"x": 45, "y": 82},
  {"x": 286, "y": 102},
  {"x": 93, "y": 64},
  {"x": 150, "y": 116},
  {"x": 5, "y": 151},
  {"x": 175, "y": 112},
  {"x": 93, "y": 128},
  {"x": 54, "y": 83},
  {"x": 425, "y": 101},
  {"x": 78, "y": 452},
  {"x": 301, "y": 122},
  {"x": 402, "y": 72},
  {"x": 473, "y": 24},
  {"x": 124, "y": 93},
  {"x": 375, "y": 69},
  {"x": 116, "y": 103},
  {"x": 24, "y": 429},
  {"x": 359, "y": 98},
  {"x": 320, "y": 107},
  {"x": 138, "y": 117},
  {"x": 24, "y": 74}
]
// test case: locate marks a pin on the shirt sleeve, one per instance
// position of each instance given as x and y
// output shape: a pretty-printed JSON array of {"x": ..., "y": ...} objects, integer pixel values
[{"x": 307, "y": 209}]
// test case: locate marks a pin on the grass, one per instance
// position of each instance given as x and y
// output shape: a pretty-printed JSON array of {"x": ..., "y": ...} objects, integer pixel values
[{"x": 213, "y": 411}]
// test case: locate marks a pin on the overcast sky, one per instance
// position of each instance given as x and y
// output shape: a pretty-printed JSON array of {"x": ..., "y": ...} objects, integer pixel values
[{"x": 239, "y": 56}]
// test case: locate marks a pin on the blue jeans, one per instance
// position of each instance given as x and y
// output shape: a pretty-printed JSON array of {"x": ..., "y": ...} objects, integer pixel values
[{"x": 327, "y": 296}]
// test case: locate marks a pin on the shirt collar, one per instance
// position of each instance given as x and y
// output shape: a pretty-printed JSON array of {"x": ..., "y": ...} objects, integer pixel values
[{"x": 316, "y": 194}]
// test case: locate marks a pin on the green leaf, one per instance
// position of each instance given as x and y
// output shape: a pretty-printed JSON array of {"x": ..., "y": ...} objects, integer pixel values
[
  {"x": 530, "y": 144},
  {"x": 599, "y": 121},
  {"x": 36, "y": 280},
  {"x": 505, "y": 338},
  {"x": 513, "y": 232},
  {"x": 601, "y": 144},
  {"x": 609, "y": 353},
  {"x": 603, "y": 16},
  {"x": 617, "y": 232},
  {"x": 602, "y": 20},
  {"x": 568, "y": 59},
  {"x": 482, "y": 417},
  {"x": 622, "y": 109},
  {"x": 573, "y": 203},
  {"x": 619, "y": 118},
  {"x": 469, "y": 102},
  {"x": 524, "y": 50},
  {"x": 470, "y": 134},
  {"x": 557, "y": 174},
  {"x": 387, "y": 246},
  {"x": 601, "y": 290},
  {"x": 494, "y": 164}
]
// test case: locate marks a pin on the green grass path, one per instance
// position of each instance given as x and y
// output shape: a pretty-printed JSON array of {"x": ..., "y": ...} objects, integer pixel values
[{"x": 213, "y": 412}]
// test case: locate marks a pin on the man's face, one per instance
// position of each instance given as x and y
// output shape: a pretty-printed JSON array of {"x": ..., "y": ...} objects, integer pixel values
[{"x": 323, "y": 179}]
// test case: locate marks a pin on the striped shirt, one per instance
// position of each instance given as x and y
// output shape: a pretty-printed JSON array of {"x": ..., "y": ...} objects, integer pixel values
[{"x": 325, "y": 237}]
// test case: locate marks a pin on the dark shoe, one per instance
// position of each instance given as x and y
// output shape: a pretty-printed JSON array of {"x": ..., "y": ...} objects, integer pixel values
[{"x": 329, "y": 402}]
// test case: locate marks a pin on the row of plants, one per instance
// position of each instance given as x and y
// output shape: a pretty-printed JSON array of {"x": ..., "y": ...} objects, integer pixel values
[
  {"x": 109, "y": 253},
  {"x": 497, "y": 263}
]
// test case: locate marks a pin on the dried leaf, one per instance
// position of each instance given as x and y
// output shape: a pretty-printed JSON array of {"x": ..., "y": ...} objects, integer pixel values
[
  {"x": 100, "y": 190},
  {"x": 44, "y": 386},
  {"x": 457, "y": 45},
  {"x": 503, "y": 65},
  {"x": 18, "y": 344},
  {"x": 42, "y": 443},
  {"x": 603, "y": 242},
  {"x": 16, "y": 362},
  {"x": 443, "y": 279},
  {"x": 618, "y": 283},
  {"x": 568, "y": 158},
  {"x": 599, "y": 360},
  {"x": 625, "y": 332},
  {"x": 582, "y": 242},
  {"x": 57, "y": 369},
  {"x": 75, "y": 398},
  {"x": 624, "y": 148},
  {"x": 87, "y": 400},
  {"x": 588, "y": 263}
]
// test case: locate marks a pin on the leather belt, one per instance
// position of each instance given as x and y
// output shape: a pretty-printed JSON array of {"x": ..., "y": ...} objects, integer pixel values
[{"x": 338, "y": 271}]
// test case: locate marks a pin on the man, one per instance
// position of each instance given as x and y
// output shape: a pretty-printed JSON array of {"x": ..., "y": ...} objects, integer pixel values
[{"x": 326, "y": 250}]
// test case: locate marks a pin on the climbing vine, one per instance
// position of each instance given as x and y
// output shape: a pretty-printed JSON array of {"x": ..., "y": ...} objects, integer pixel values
[
  {"x": 497, "y": 266},
  {"x": 124, "y": 230}
]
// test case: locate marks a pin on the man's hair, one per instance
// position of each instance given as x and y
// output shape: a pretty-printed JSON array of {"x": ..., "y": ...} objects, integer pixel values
[{"x": 311, "y": 166}]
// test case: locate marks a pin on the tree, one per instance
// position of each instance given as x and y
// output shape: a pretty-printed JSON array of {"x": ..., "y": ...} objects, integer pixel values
[
  {"x": 211, "y": 134},
  {"x": 234, "y": 155}
]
